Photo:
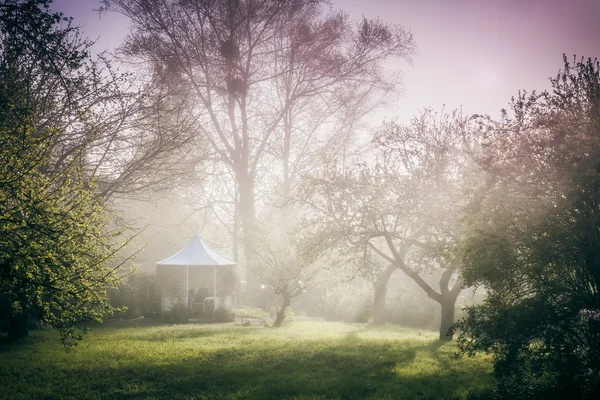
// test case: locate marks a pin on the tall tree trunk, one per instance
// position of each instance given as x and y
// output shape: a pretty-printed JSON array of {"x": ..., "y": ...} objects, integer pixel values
[
  {"x": 281, "y": 312},
  {"x": 247, "y": 205},
  {"x": 448, "y": 306},
  {"x": 447, "y": 301},
  {"x": 235, "y": 236},
  {"x": 381, "y": 282},
  {"x": 447, "y": 295},
  {"x": 248, "y": 219},
  {"x": 288, "y": 173},
  {"x": 19, "y": 326}
]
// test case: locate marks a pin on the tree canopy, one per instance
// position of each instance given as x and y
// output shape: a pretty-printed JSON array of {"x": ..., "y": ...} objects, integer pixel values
[
  {"x": 533, "y": 241},
  {"x": 273, "y": 85},
  {"x": 57, "y": 250}
]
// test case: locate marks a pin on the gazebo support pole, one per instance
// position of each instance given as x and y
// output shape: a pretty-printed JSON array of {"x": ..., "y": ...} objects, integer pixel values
[
  {"x": 215, "y": 287},
  {"x": 187, "y": 286}
]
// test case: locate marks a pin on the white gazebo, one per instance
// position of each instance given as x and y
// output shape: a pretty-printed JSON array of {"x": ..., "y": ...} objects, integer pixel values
[{"x": 195, "y": 254}]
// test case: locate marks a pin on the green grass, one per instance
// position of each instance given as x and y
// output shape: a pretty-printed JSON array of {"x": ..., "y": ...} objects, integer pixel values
[{"x": 306, "y": 360}]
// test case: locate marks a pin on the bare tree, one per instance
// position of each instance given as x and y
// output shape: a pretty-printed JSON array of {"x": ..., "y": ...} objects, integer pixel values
[
  {"x": 126, "y": 135},
  {"x": 289, "y": 260},
  {"x": 405, "y": 208},
  {"x": 358, "y": 205},
  {"x": 258, "y": 74}
]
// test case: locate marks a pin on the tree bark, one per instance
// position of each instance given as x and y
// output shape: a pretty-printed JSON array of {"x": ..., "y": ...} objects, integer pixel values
[
  {"x": 281, "y": 312},
  {"x": 247, "y": 212},
  {"x": 447, "y": 301},
  {"x": 381, "y": 282},
  {"x": 448, "y": 307},
  {"x": 19, "y": 326}
]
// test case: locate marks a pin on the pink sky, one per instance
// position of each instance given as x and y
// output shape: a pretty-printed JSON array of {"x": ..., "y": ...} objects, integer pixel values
[{"x": 473, "y": 54}]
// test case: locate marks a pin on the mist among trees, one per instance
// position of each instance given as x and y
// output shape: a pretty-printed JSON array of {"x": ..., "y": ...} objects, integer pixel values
[{"x": 257, "y": 124}]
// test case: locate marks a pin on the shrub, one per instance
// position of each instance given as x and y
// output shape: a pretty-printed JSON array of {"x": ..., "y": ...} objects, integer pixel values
[
  {"x": 224, "y": 315},
  {"x": 179, "y": 314},
  {"x": 348, "y": 302},
  {"x": 138, "y": 296}
]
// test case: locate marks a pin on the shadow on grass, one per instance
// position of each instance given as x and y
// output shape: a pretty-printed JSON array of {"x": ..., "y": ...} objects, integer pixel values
[{"x": 347, "y": 368}]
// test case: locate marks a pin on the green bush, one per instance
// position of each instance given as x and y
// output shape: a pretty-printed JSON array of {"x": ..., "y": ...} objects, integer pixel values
[
  {"x": 224, "y": 315},
  {"x": 533, "y": 243},
  {"x": 249, "y": 312},
  {"x": 409, "y": 306},
  {"x": 137, "y": 296}
]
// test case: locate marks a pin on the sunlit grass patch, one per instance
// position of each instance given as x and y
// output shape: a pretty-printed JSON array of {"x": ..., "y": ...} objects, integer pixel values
[{"x": 306, "y": 360}]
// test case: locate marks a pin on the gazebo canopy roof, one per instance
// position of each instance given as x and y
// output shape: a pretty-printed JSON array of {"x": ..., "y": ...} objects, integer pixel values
[{"x": 196, "y": 252}]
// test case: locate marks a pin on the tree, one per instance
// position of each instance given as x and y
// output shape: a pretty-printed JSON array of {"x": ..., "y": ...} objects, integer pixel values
[
  {"x": 55, "y": 248},
  {"x": 532, "y": 241},
  {"x": 131, "y": 138},
  {"x": 432, "y": 152},
  {"x": 289, "y": 261},
  {"x": 57, "y": 254},
  {"x": 349, "y": 203},
  {"x": 404, "y": 208},
  {"x": 265, "y": 79}
]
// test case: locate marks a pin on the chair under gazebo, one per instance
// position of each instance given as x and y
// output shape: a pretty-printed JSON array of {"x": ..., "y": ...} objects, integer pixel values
[{"x": 195, "y": 255}]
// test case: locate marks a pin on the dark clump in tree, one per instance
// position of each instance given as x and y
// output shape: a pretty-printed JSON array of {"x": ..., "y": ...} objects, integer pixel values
[
  {"x": 56, "y": 253},
  {"x": 533, "y": 242}
]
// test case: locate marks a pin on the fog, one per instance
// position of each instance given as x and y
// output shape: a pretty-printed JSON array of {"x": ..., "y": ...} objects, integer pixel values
[
  {"x": 429, "y": 166},
  {"x": 314, "y": 157}
]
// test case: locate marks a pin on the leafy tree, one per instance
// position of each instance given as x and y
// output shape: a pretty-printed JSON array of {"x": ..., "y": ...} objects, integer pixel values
[
  {"x": 56, "y": 251},
  {"x": 533, "y": 242},
  {"x": 269, "y": 82},
  {"x": 55, "y": 248}
]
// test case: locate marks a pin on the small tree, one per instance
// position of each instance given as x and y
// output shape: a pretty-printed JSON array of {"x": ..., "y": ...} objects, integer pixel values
[
  {"x": 288, "y": 262},
  {"x": 56, "y": 252}
]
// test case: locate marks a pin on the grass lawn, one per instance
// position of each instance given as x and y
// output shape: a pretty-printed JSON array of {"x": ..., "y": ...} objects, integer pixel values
[{"x": 305, "y": 360}]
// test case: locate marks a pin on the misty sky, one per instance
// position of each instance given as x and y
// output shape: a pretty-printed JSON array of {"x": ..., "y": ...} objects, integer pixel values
[{"x": 473, "y": 54}]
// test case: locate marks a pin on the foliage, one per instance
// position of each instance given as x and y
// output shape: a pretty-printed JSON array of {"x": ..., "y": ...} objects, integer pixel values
[
  {"x": 178, "y": 314},
  {"x": 224, "y": 314},
  {"x": 408, "y": 305},
  {"x": 138, "y": 295},
  {"x": 55, "y": 250},
  {"x": 307, "y": 360},
  {"x": 533, "y": 242},
  {"x": 348, "y": 301},
  {"x": 57, "y": 255},
  {"x": 249, "y": 312}
]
